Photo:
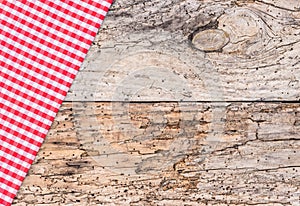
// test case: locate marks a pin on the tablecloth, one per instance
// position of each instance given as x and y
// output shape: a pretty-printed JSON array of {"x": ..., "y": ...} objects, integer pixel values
[{"x": 43, "y": 44}]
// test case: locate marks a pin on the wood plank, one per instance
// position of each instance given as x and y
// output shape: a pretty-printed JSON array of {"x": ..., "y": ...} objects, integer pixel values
[
  {"x": 168, "y": 154},
  {"x": 194, "y": 51}
]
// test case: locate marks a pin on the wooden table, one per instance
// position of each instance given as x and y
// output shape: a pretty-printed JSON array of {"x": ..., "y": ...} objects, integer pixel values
[{"x": 180, "y": 102}]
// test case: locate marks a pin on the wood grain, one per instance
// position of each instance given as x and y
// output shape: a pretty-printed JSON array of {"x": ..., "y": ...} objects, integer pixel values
[
  {"x": 194, "y": 51},
  {"x": 180, "y": 102},
  {"x": 92, "y": 156}
]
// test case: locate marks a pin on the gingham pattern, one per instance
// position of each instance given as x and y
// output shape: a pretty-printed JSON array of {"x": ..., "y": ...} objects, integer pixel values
[{"x": 43, "y": 43}]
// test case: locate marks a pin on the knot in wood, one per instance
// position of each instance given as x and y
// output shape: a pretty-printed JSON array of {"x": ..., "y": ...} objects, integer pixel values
[{"x": 210, "y": 40}]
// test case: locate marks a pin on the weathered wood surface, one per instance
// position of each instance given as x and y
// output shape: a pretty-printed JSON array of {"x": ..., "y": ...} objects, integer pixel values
[
  {"x": 168, "y": 155},
  {"x": 194, "y": 50},
  {"x": 166, "y": 147}
]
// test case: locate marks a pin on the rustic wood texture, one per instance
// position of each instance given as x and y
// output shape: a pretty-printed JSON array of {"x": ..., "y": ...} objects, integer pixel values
[
  {"x": 176, "y": 161},
  {"x": 184, "y": 50},
  {"x": 180, "y": 102}
]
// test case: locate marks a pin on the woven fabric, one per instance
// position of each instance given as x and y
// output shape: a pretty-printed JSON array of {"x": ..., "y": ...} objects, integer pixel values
[{"x": 43, "y": 44}]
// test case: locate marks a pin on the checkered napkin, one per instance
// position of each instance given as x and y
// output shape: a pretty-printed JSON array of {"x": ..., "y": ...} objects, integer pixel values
[{"x": 43, "y": 43}]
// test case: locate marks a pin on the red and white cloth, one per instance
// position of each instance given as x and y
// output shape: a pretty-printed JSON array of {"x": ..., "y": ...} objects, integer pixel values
[{"x": 43, "y": 44}]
